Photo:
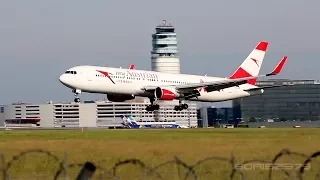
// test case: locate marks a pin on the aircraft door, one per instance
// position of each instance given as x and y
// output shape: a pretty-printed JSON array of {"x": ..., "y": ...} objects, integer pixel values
[{"x": 89, "y": 77}]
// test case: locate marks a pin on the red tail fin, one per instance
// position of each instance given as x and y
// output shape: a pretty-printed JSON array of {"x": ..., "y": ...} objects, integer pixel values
[
  {"x": 131, "y": 66},
  {"x": 252, "y": 64}
]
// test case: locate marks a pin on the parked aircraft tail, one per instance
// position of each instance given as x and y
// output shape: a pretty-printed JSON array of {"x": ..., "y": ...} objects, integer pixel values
[{"x": 128, "y": 121}]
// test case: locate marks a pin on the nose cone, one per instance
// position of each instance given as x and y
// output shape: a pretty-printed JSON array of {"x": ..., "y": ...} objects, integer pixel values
[{"x": 63, "y": 79}]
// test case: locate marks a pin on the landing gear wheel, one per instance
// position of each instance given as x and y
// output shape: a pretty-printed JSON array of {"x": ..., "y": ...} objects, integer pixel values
[
  {"x": 76, "y": 100},
  {"x": 177, "y": 108},
  {"x": 156, "y": 107},
  {"x": 181, "y": 107},
  {"x": 152, "y": 107},
  {"x": 76, "y": 92},
  {"x": 184, "y": 106},
  {"x": 148, "y": 108}
]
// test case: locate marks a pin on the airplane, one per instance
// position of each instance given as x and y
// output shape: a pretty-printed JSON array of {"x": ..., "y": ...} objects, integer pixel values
[
  {"x": 123, "y": 84},
  {"x": 130, "y": 122}
]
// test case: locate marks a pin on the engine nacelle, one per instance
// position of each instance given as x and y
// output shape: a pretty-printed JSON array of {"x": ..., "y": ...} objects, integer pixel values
[
  {"x": 119, "y": 97},
  {"x": 256, "y": 92},
  {"x": 166, "y": 93}
]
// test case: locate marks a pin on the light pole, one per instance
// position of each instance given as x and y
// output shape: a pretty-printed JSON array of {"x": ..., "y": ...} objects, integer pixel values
[{"x": 189, "y": 123}]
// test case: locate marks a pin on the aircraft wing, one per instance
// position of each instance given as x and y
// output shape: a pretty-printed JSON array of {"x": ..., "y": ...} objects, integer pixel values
[
  {"x": 267, "y": 87},
  {"x": 221, "y": 84},
  {"x": 210, "y": 86}
]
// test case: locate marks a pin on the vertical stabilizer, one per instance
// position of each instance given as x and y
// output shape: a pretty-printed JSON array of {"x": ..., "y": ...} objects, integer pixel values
[{"x": 252, "y": 64}]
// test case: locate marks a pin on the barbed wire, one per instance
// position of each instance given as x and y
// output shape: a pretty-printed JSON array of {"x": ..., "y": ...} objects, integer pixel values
[{"x": 90, "y": 169}]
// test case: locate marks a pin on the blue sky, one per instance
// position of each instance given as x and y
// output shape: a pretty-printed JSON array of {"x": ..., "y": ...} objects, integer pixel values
[{"x": 39, "y": 39}]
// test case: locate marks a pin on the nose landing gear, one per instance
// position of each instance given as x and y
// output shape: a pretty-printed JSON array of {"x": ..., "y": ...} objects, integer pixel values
[
  {"x": 76, "y": 93},
  {"x": 76, "y": 99}
]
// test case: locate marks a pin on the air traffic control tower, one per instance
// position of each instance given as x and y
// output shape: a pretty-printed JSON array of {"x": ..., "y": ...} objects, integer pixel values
[{"x": 164, "y": 54}]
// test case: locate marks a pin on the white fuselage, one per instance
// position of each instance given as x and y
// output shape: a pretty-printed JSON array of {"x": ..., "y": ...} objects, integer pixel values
[{"x": 93, "y": 79}]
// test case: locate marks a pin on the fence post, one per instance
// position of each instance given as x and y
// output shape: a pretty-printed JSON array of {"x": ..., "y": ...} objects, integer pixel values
[
  {"x": 65, "y": 165},
  {"x": 87, "y": 171},
  {"x": 3, "y": 167}
]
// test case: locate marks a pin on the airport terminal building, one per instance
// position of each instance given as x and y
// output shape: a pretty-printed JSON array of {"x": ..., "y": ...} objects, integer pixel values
[
  {"x": 93, "y": 114},
  {"x": 300, "y": 102}
]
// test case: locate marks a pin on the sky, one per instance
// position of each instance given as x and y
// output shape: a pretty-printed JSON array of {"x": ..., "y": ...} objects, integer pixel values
[{"x": 40, "y": 39}]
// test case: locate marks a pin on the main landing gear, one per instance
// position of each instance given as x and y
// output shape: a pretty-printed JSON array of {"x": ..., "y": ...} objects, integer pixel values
[
  {"x": 181, "y": 106},
  {"x": 76, "y": 93},
  {"x": 152, "y": 106}
]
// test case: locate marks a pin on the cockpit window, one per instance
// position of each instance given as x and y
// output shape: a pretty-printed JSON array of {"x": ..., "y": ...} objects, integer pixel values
[{"x": 71, "y": 72}]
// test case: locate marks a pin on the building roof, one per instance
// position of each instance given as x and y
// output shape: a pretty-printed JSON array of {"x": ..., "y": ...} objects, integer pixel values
[
  {"x": 286, "y": 81},
  {"x": 165, "y": 25}
]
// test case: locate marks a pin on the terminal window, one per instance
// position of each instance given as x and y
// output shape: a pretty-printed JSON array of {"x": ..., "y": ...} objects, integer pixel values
[{"x": 1, "y": 109}]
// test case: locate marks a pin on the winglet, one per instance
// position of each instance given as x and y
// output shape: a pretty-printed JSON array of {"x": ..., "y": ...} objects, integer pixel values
[
  {"x": 279, "y": 67},
  {"x": 131, "y": 66}
]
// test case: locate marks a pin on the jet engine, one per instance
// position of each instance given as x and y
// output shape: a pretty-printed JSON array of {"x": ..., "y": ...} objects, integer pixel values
[
  {"x": 119, "y": 97},
  {"x": 255, "y": 92},
  {"x": 167, "y": 93}
]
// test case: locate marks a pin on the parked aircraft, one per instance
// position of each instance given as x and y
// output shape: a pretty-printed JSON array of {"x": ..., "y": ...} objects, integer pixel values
[{"x": 130, "y": 122}]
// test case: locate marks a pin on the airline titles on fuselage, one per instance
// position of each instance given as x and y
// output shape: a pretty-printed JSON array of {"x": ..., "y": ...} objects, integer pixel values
[
  {"x": 142, "y": 75},
  {"x": 128, "y": 76}
]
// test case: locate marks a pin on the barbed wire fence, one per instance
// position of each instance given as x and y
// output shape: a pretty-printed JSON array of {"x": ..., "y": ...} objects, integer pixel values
[{"x": 90, "y": 170}]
